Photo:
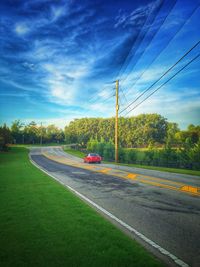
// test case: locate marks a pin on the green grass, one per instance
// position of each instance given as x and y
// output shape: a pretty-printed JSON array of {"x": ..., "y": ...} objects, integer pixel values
[
  {"x": 164, "y": 169},
  {"x": 35, "y": 145},
  {"x": 74, "y": 152},
  {"x": 44, "y": 224}
]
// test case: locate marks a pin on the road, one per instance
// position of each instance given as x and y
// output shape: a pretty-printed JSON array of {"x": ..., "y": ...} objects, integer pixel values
[{"x": 154, "y": 203}]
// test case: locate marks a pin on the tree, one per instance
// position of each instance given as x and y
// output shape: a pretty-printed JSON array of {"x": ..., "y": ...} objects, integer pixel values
[
  {"x": 5, "y": 137},
  {"x": 17, "y": 132},
  {"x": 31, "y": 133},
  {"x": 172, "y": 130}
]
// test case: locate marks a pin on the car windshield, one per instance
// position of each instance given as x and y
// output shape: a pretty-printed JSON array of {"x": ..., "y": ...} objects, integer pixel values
[{"x": 93, "y": 155}]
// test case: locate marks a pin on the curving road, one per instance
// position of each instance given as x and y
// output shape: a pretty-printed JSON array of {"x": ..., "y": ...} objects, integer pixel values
[{"x": 164, "y": 207}]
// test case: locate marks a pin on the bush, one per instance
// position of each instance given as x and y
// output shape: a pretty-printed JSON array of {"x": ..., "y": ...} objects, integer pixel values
[
  {"x": 130, "y": 156},
  {"x": 109, "y": 151}
]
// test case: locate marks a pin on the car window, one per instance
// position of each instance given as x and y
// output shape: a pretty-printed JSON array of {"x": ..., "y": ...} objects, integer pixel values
[{"x": 93, "y": 155}]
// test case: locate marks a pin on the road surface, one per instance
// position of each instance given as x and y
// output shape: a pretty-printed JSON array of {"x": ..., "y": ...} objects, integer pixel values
[{"x": 164, "y": 207}]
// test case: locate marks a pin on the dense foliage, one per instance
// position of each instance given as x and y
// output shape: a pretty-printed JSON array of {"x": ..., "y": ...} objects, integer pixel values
[
  {"x": 29, "y": 134},
  {"x": 163, "y": 142},
  {"x": 187, "y": 156},
  {"x": 34, "y": 134},
  {"x": 136, "y": 131}
]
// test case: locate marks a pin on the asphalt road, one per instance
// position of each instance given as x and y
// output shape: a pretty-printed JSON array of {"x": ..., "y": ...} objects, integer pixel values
[{"x": 169, "y": 218}]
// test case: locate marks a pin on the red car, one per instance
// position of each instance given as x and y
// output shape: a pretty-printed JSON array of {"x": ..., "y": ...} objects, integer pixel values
[{"x": 92, "y": 158}]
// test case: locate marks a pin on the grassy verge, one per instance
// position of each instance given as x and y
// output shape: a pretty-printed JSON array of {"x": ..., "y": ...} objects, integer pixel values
[
  {"x": 164, "y": 169},
  {"x": 74, "y": 152},
  {"x": 44, "y": 224},
  {"x": 36, "y": 145}
]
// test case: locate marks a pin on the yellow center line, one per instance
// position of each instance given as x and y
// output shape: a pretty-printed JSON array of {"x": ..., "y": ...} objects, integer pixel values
[
  {"x": 105, "y": 170},
  {"x": 136, "y": 177}
]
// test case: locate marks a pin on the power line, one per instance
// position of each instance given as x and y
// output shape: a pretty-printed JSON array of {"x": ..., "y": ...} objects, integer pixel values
[
  {"x": 165, "y": 73},
  {"x": 107, "y": 98},
  {"x": 124, "y": 96},
  {"x": 148, "y": 21},
  {"x": 151, "y": 39},
  {"x": 193, "y": 59},
  {"x": 178, "y": 30},
  {"x": 108, "y": 84},
  {"x": 97, "y": 96}
]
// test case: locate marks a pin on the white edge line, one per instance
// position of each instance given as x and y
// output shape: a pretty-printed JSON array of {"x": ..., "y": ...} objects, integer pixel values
[{"x": 128, "y": 227}]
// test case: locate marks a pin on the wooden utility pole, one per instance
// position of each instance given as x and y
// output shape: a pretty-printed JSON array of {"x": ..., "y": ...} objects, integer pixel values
[{"x": 116, "y": 121}]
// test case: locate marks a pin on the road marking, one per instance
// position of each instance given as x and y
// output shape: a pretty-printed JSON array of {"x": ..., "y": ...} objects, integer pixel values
[
  {"x": 105, "y": 170},
  {"x": 188, "y": 188},
  {"x": 163, "y": 251},
  {"x": 123, "y": 174},
  {"x": 131, "y": 176}
]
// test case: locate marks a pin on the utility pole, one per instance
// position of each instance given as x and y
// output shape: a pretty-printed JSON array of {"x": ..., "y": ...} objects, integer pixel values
[
  {"x": 41, "y": 135},
  {"x": 116, "y": 121}
]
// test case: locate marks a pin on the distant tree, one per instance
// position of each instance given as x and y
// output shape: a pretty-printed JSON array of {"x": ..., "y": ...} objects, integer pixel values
[
  {"x": 172, "y": 130},
  {"x": 17, "y": 132},
  {"x": 31, "y": 132},
  {"x": 54, "y": 134},
  {"x": 135, "y": 131},
  {"x": 5, "y": 137},
  {"x": 190, "y": 136}
]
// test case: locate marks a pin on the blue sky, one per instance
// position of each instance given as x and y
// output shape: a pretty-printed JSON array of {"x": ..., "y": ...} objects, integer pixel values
[{"x": 59, "y": 59}]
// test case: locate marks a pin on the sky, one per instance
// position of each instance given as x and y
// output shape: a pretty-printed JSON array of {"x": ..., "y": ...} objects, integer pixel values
[{"x": 59, "y": 60}]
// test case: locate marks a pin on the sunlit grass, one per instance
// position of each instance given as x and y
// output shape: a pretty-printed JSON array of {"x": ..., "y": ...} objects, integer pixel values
[{"x": 44, "y": 224}]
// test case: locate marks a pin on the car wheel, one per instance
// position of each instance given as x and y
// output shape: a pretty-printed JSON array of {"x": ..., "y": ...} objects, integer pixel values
[{"x": 99, "y": 162}]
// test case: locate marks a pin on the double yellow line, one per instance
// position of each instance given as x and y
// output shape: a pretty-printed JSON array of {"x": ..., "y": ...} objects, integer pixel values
[{"x": 153, "y": 181}]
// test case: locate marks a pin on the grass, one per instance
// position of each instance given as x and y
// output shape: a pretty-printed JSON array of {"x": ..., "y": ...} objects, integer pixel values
[
  {"x": 74, "y": 152},
  {"x": 44, "y": 224},
  {"x": 36, "y": 145},
  {"x": 164, "y": 169}
]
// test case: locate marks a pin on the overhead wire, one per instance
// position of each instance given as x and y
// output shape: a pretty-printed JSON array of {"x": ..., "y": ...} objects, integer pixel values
[
  {"x": 151, "y": 38},
  {"x": 96, "y": 95},
  {"x": 164, "y": 74},
  {"x": 140, "y": 37},
  {"x": 193, "y": 59},
  {"x": 146, "y": 21},
  {"x": 178, "y": 30},
  {"x": 107, "y": 98}
]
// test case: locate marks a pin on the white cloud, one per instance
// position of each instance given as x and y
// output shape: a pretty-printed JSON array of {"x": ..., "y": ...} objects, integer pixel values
[
  {"x": 104, "y": 109},
  {"x": 57, "y": 12},
  {"x": 134, "y": 17},
  {"x": 177, "y": 106},
  {"x": 21, "y": 28}
]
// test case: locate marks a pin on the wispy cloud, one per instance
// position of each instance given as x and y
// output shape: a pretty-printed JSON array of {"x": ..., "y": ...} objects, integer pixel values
[
  {"x": 60, "y": 54},
  {"x": 21, "y": 28}
]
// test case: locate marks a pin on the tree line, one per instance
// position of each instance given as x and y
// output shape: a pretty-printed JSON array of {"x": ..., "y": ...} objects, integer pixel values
[
  {"x": 166, "y": 145},
  {"x": 164, "y": 140},
  {"x": 19, "y": 133},
  {"x": 144, "y": 130}
]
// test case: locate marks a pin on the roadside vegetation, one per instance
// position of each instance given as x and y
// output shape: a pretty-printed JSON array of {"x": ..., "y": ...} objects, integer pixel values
[
  {"x": 145, "y": 140},
  {"x": 80, "y": 154},
  {"x": 44, "y": 224}
]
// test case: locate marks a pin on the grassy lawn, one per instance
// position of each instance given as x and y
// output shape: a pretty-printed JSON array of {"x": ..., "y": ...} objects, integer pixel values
[
  {"x": 165, "y": 169},
  {"x": 44, "y": 224}
]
